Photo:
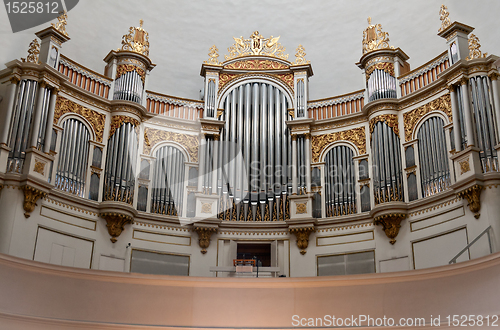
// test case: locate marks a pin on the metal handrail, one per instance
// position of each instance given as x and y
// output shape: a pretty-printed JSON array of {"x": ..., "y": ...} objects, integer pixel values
[{"x": 454, "y": 260}]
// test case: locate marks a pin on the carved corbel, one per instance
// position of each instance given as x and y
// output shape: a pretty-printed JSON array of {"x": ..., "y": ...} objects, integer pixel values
[
  {"x": 31, "y": 196},
  {"x": 391, "y": 224},
  {"x": 302, "y": 235},
  {"x": 472, "y": 195},
  {"x": 204, "y": 234},
  {"x": 116, "y": 223}
]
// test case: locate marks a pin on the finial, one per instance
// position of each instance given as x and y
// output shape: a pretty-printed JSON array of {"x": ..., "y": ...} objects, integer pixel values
[
  {"x": 374, "y": 38},
  {"x": 61, "y": 25},
  {"x": 474, "y": 48},
  {"x": 443, "y": 16},
  {"x": 213, "y": 55},
  {"x": 301, "y": 56},
  {"x": 33, "y": 52},
  {"x": 137, "y": 40}
]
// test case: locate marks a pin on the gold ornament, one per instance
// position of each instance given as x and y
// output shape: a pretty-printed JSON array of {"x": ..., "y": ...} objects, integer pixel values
[
  {"x": 33, "y": 52},
  {"x": 301, "y": 56},
  {"x": 474, "y": 48},
  {"x": 374, "y": 38},
  {"x": 204, "y": 234},
  {"x": 256, "y": 45},
  {"x": 118, "y": 121},
  {"x": 472, "y": 195},
  {"x": 39, "y": 167},
  {"x": 391, "y": 224},
  {"x": 301, "y": 208},
  {"x": 355, "y": 135},
  {"x": 61, "y": 25},
  {"x": 137, "y": 40},
  {"x": 213, "y": 56},
  {"x": 95, "y": 118},
  {"x": 464, "y": 166},
  {"x": 256, "y": 65},
  {"x": 411, "y": 118},
  {"x": 124, "y": 68},
  {"x": 31, "y": 196},
  {"x": 115, "y": 222},
  {"x": 153, "y": 136},
  {"x": 302, "y": 235},
  {"x": 386, "y": 67},
  {"x": 443, "y": 16},
  {"x": 390, "y": 120}
]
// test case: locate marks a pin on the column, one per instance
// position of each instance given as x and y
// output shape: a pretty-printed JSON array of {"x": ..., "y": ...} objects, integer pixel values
[
  {"x": 215, "y": 161},
  {"x": 50, "y": 121},
  {"x": 36, "y": 116},
  {"x": 294, "y": 164},
  {"x": 496, "y": 99},
  {"x": 201, "y": 161},
  {"x": 457, "y": 130},
  {"x": 11, "y": 95},
  {"x": 467, "y": 112},
  {"x": 307, "y": 151}
]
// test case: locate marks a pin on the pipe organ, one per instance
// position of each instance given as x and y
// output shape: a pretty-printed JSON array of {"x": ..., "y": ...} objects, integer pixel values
[
  {"x": 72, "y": 168},
  {"x": 255, "y": 148}
]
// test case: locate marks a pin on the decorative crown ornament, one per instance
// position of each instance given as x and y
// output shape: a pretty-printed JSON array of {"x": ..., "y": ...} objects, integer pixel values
[
  {"x": 301, "y": 56},
  {"x": 474, "y": 48},
  {"x": 61, "y": 25},
  {"x": 137, "y": 40},
  {"x": 443, "y": 16},
  {"x": 33, "y": 52},
  {"x": 257, "y": 45},
  {"x": 374, "y": 38},
  {"x": 213, "y": 56}
]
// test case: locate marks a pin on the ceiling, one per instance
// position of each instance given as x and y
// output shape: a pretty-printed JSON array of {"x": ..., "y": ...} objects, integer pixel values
[{"x": 181, "y": 33}]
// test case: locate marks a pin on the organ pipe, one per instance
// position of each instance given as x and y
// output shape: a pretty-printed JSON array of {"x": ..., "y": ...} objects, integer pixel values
[{"x": 129, "y": 87}]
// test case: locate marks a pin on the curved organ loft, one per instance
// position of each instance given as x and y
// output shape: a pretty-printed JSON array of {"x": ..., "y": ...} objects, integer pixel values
[{"x": 99, "y": 172}]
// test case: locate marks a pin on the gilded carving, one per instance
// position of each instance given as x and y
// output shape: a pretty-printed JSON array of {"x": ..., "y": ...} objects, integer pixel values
[
  {"x": 153, "y": 136},
  {"x": 374, "y": 38},
  {"x": 443, "y": 16},
  {"x": 301, "y": 208},
  {"x": 61, "y": 24},
  {"x": 302, "y": 235},
  {"x": 39, "y": 167},
  {"x": 287, "y": 78},
  {"x": 256, "y": 45},
  {"x": 391, "y": 224},
  {"x": 137, "y": 40},
  {"x": 31, "y": 196},
  {"x": 301, "y": 56},
  {"x": 384, "y": 66},
  {"x": 213, "y": 56},
  {"x": 355, "y": 135},
  {"x": 124, "y": 68},
  {"x": 390, "y": 120},
  {"x": 411, "y": 118},
  {"x": 206, "y": 208},
  {"x": 95, "y": 118},
  {"x": 118, "y": 121},
  {"x": 473, "y": 195},
  {"x": 224, "y": 78},
  {"x": 33, "y": 52},
  {"x": 256, "y": 65},
  {"x": 464, "y": 166},
  {"x": 474, "y": 48},
  {"x": 204, "y": 234},
  {"x": 115, "y": 222}
]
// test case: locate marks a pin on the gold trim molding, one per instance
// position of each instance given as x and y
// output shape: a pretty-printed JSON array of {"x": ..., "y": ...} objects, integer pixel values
[
  {"x": 256, "y": 65},
  {"x": 412, "y": 117},
  {"x": 355, "y": 135}
]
